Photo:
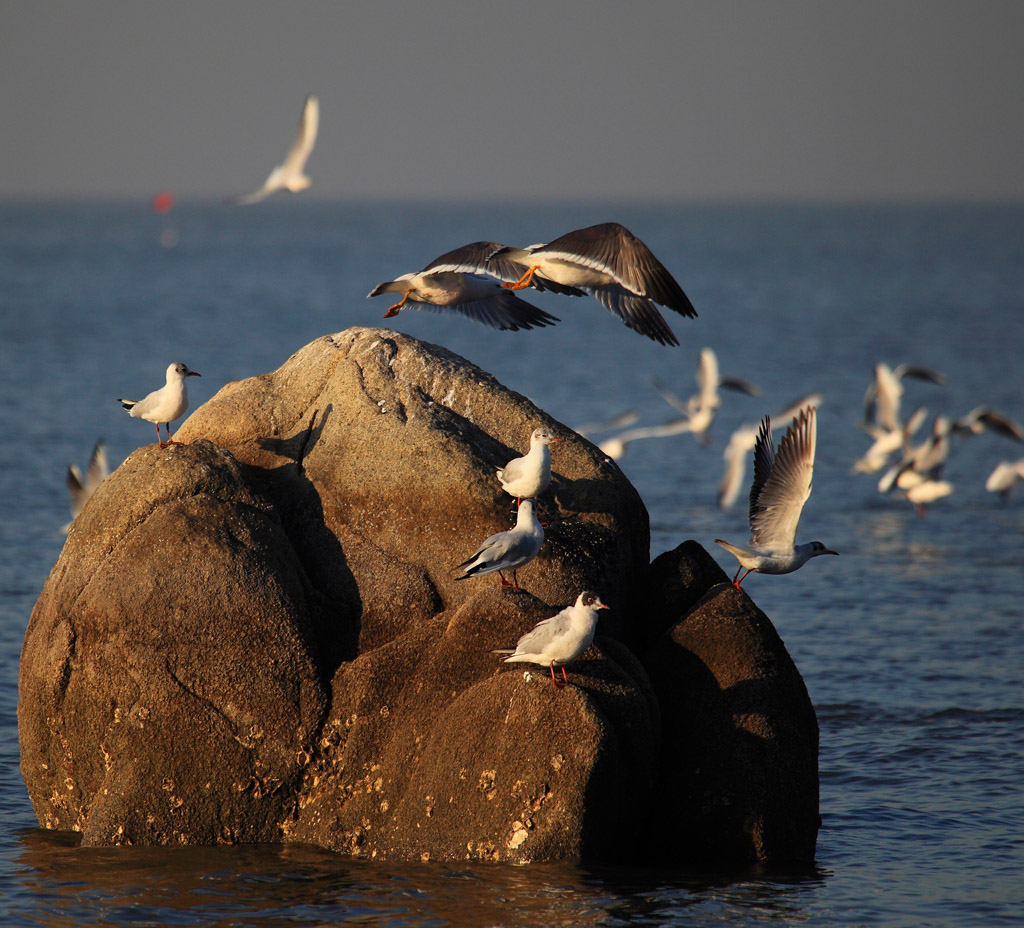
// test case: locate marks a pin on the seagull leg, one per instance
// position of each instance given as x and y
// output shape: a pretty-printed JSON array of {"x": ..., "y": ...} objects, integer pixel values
[
  {"x": 397, "y": 308},
  {"x": 523, "y": 281},
  {"x": 505, "y": 582},
  {"x": 558, "y": 686},
  {"x": 737, "y": 580},
  {"x": 159, "y": 437}
]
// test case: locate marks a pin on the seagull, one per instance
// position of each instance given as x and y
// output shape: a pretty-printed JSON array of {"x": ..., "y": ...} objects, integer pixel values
[
  {"x": 560, "y": 639},
  {"x": 700, "y": 408},
  {"x": 612, "y": 265},
  {"x": 530, "y": 475},
  {"x": 882, "y": 413},
  {"x": 289, "y": 174},
  {"x": 508, "y": 550},
  {"x": 80, "y": 487},
  {"x": 1005, "y": 477},
  {"x": 781, "y": 486},
  {"x": 919, "y": 474},
  {"x": 985, "y": 417},
  {"x": 447, "y": 284},
  {"x": 888, "y": 442},
  {"x": 882, "y": 398},
  {"x": 742, "y": 442},
  {"x": 163, "y": 405}
]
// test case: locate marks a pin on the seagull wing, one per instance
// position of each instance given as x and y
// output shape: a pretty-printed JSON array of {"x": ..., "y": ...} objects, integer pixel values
[
  {"x": 614, "y": 250},
  {"x": 782, "y": 482},
  {"x": 502, "y": 310},
  {"x": 305, "y": 138}
]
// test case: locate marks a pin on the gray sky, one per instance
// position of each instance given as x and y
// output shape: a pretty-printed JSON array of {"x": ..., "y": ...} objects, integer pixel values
[{"x": 596, "y": 100}]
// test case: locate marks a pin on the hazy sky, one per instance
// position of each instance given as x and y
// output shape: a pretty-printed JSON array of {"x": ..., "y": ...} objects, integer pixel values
[{"x": 623, "y": 99}]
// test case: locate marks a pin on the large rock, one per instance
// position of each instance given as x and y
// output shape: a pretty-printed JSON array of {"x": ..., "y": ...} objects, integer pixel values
[{"x": 259, "y": 636}]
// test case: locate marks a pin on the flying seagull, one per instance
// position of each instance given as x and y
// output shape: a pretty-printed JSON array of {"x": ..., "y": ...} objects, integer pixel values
[
  {"x": 611, "y": 264},
  {"x": 81, "y": 486},
  {"x": 782, "y": 484},
  {"x": 449, "y": 283},
  {"x": 288, "y": 175}
]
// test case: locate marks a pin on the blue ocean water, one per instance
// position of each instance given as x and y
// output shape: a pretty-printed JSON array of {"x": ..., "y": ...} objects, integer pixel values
[{"x": 911, "y": 642}]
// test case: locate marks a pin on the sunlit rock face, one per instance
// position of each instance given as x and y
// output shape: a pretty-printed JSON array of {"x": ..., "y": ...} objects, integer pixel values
[{"x": 259, "y": 635}]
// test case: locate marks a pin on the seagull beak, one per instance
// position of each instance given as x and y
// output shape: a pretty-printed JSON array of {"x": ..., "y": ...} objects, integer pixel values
[
  {"x": 193, "y": 374},
  {"x": 830, "y": 551}
]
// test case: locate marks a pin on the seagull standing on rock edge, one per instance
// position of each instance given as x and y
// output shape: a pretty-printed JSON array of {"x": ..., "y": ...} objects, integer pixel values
[
  {"x": 530, "y": 475},
  {"x": 508, "y": 550},
  {"x": 782, "y": 484},
  {"x": 560, "y": 639},
  {"x": 163, "y": 405}
]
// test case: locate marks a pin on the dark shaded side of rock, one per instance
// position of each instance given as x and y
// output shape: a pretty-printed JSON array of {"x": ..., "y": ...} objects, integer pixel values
[{"x": 739, "y": 739}]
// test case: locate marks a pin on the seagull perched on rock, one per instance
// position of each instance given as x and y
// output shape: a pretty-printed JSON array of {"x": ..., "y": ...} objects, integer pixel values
[
  {"x": 163, "y": 405},
  {"x": 289, "y": 174},
  {"x": 782, "y": 484},
  {"x": 611, "y": 264},
  {"x": 81, "y": 486},
  {"x": 448, "y": 283},
  {"x": 508, "y": 550},
  {"x": 530, "y": 475},
  {"x": 561, "y": 639}
]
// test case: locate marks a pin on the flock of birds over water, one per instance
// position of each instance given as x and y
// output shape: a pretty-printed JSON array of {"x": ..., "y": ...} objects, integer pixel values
[{"x": 612, "y": 265}]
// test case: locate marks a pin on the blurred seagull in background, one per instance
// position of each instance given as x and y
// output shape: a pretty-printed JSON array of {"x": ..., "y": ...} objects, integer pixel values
[
  {"x": 983, "y": 418},
  {"x": 701, "y": 407},
  {"x": 289, "y": 174},
  {"x": 559, "y": 640},
  {"x": 882, "y": 420},
  {"x": 919, "y": 475},
  {"x": 1005, "y": 477},
  {"x": 81, "y": 487},
  {"x": 612, "y": 265},
  {"x": 530, "y": 475},
  {"x": 742, "y": 442},
  {"x": 508, "y": 550},
  {"x": 781, "y": 486},
  {"x": 451, "y": 283},
  {"x": 163, "y": 405}
]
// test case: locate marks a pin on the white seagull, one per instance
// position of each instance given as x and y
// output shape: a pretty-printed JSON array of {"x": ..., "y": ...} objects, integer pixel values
[
  {"x": 163, "y": 405},
  {"x": 918, "y": 475},
  {"x": 612, "y": 265},
  {"x": 530, "y": 475},
  {"x": 559, "y": 640},
  {"x": 288, "y": 175},
  {"x": 448, "y": 284},
  {"x": 1005, "y": 476},
  {"x": 700, "y": 408},
  {"x": 508, "y": 550},
  {"x": 781, "y": 486},
  {"x": 81, "y": 487},
  {"x": 882, "y": 419}
]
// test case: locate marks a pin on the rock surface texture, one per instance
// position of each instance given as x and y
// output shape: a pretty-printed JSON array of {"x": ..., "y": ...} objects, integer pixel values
[{"x": 259, "y": 636}]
